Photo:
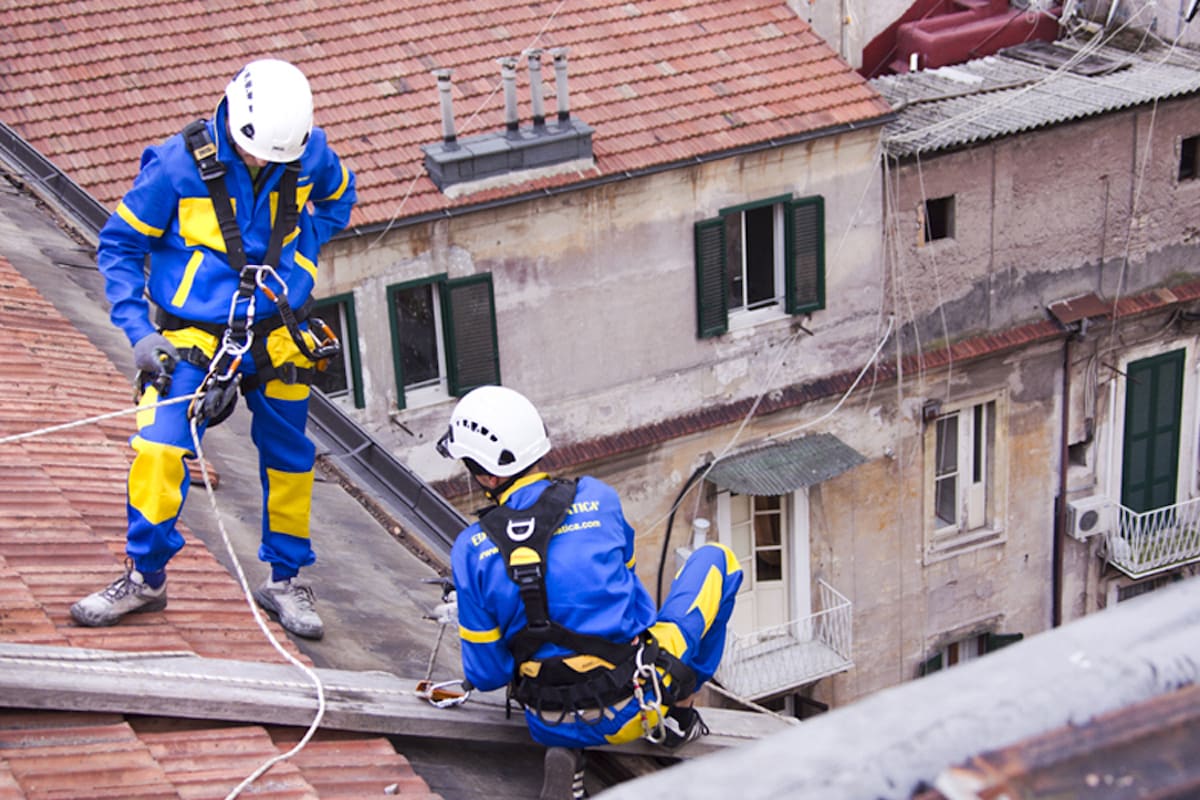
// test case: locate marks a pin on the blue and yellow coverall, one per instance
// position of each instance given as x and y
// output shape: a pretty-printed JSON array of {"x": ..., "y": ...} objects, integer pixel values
[
  {"x": 168, "y": 215},
  {"x": 591, "y": 588}
]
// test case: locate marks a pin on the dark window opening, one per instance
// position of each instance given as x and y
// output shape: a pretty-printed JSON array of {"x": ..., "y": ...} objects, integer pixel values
[
  {"x": 1189, "y": 149},
  {"x": 417, "y": 329},
  {"x": 939, "y": 218}
]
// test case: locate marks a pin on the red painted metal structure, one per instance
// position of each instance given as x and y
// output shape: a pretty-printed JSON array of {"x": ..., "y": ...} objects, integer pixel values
[{"x": 935, "y": 33}]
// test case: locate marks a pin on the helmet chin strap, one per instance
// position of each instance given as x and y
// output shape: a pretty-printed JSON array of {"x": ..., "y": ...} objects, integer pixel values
[{"x": 494, "y": 493}]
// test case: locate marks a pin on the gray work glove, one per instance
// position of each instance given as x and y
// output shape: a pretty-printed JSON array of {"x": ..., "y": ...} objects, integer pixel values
[{"x": 154, "y": 355}]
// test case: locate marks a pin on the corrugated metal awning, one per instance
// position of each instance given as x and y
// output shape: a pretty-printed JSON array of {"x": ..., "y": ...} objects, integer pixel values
[{"x": 787, "y": 466}]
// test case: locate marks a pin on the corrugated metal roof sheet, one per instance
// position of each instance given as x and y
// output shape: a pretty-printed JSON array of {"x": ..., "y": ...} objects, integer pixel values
[
  {"x": 1009, "y": 92},
  {"x": 90, "y": 84},
  {"x": 787, "y": 466}
]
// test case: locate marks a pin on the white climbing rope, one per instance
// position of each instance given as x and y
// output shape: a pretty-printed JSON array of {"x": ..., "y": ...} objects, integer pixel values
[{"x": 258, "y": 618}]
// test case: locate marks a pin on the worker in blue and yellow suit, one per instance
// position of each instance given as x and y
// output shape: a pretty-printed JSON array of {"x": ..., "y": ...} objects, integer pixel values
[
  {"x": 579, "y": 684},
  {"x": 263, "y": 127}
]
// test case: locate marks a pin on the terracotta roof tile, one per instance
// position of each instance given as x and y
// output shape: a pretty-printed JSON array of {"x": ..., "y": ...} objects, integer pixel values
[
  {"x": 62, "y": 536},
  {"x": 91, "y": 84}
]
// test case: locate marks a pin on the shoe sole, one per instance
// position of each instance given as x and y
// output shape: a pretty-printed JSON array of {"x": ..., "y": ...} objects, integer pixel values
[
  {"x": 558, "y": 777},
  {"x": 269, "y": 606},
  {"x": 157, "y": 604}
]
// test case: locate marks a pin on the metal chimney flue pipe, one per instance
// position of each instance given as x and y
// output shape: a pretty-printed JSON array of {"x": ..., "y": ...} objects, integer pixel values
[
  {"x": 560, "y": 83},
  {"x": 444, "y": 89},
  {"x": 535, "y": 86},
  {"x": 508, "y": 77}
]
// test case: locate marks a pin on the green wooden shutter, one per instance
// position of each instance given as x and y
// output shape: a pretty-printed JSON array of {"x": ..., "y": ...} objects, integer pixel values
[
  {"x": 711, "y": 301},
  {"x": 805, "y": 281},
  {"x": 930, "y": 665},
  {"x": 1153, "y": 410},
  {"x": 469, "y": 319},
  {"x": 995, "y": 641}
]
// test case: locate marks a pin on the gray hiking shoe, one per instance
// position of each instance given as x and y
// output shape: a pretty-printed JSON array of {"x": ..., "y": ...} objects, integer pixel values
[
  {"x": 563, "y": 773},
  {"x": 128, "y": 594},
  {"x": 292, "y": 602}
]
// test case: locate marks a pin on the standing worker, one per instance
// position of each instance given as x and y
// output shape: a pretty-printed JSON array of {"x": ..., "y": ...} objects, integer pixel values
[
  {"x": 549, "y": 602},
  {"x": 231, "y": 214}
]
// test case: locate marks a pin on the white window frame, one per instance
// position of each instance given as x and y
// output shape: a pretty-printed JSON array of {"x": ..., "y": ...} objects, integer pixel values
[
  {"x": 434, "y": 390},
  {"x": 980, "y": 461},
  {"x": 743, "y": 317}
]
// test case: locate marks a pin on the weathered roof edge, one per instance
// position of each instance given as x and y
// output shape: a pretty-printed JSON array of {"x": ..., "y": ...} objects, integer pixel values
[
  {"x": 604, "y": 180},
  {"x": 966, "y": 350}
]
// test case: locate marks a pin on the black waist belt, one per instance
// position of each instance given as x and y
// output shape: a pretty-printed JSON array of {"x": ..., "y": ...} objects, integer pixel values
[
  {"x": 564, "y": 692},
  {"x": 169, "y": 322}
]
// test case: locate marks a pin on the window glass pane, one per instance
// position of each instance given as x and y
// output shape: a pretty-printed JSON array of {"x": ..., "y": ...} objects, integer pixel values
[
  {"x": 769, "y": 565},
  {"x": 760, "y": 256},
  {"x": 947, "y": 445},
  {"x": 945, "y": 499},
  {"x": 418, "y": 334},
  {"x": 335, "y": 379},
  {"x": 734, "y": 268},
  {"x": 766, "y": 531},
  {"x": 978, "y": 432}
]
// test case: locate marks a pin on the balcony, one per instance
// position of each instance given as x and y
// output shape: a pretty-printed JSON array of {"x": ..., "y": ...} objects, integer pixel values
[
  {"x": 1148, "y": 542},
  {"x": 788, "y": 656}
]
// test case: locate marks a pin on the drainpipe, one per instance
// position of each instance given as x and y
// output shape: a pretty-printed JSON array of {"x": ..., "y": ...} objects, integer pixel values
[
  {"x": 443, "y": 83},
  {"x": 560, "y": 84},
  {"x": 1064, "y": 461},
  {"x": 535, "y": 86},
  {"x": 508, "y": 76}
]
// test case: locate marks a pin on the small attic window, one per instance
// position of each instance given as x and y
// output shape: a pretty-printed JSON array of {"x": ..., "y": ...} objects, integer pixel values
[
  {"x": 1189, "y": 158},
  {"x": 939, "y": 218}
]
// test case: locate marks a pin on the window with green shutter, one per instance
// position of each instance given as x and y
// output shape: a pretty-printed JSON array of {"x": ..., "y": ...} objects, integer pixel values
[
  {"x": 443, "y": 338},
  {"x": 342, "y": 374},
  {"x": 759, "y": 260}
]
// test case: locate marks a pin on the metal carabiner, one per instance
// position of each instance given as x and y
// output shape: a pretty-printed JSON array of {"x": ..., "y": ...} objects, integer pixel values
[
  {"x": 643, "y": 673},
  {"x": 263, "y": 270},
  {"x": 439, "y": 695}
]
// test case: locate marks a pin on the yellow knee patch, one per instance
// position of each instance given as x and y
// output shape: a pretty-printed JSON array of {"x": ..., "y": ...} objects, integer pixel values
[
  {"x": 708, "y": 599},
  {"x": 156, "y": 479},
  {"x": 633, "y": 730},
  {"x": 147, "y": 408},
  {"x": 289, "y": 501}
]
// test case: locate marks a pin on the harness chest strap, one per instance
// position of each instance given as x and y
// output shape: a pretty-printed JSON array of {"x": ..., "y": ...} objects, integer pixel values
[{"x": 213, "y": 172}]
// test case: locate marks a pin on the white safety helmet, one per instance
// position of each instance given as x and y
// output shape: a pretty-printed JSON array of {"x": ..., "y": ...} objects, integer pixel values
[
  {"x": 497, "y": 428},
  {"x": 270, "y": 110}
]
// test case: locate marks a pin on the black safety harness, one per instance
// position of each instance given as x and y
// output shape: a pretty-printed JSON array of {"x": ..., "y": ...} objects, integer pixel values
[
  {"x": 241, "y": 334},
  {"x": 558, "y": 686}
]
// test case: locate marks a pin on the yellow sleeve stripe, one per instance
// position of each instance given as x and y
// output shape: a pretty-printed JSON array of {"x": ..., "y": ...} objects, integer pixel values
[
  {"x": 137, "y": 224},
  {"x": 631, "y": 562},
  {"x": 479, "y": 637},
  {"x": 307, "y": 265},
  {"x": 338, "y": 192}
]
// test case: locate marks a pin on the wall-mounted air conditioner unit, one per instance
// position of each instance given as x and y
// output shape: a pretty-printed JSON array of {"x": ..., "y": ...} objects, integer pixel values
[{"x": 1089, "y": 516}]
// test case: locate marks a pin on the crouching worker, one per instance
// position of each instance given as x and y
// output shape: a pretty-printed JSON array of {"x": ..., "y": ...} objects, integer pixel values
[{"x": 549, "y": 602}]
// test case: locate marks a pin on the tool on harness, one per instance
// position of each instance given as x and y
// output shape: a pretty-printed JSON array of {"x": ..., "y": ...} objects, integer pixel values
[
  {"x": 218, "y": 392},
  {"x": 602, "y": 673},
  {"x": 160, "y": 380}
]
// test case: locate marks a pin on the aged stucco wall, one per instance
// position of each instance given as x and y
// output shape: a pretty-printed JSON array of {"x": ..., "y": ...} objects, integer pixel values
[
  {"x": 595, "y": 294},
  {"x": 1044, "y": 216}
]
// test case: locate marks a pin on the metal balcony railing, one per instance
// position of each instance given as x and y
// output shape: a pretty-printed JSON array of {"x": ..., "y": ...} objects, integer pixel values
[
  {"x": 774, "y": 660},
  {"x": 1143, "y": 543}
]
